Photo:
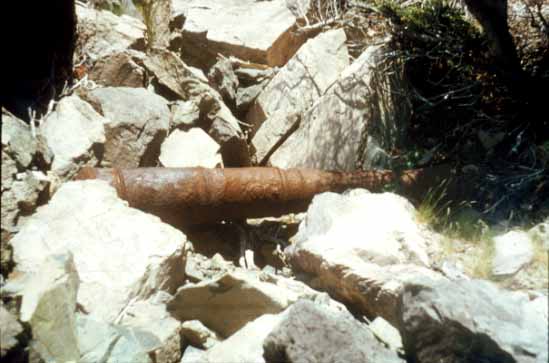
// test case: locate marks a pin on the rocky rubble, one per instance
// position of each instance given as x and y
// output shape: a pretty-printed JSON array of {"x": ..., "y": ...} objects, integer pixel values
[{"x": 357, "y": 278}]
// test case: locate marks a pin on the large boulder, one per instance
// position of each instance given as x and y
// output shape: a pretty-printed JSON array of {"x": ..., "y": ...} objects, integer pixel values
[
  {"x": 363, "y": 248},
  {"x": 230, "y": 27},
  {"x": 296, "y": 87},
  {"x": 364, "y": 113},
  {"x": 122, "y": 255},
  {"x": 470, "y": 321},
  {"x": 75, "y": 133},
  {"x": 138, "y": 121}
]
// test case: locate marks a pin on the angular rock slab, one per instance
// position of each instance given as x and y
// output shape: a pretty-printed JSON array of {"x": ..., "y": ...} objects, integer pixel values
[
  {"x": 103, "y": 342},
  {"x": 226, "y": 303},
  {"x": 299, "y": 84},
  {"x": 48, "y": 305},
  {"x": 150, "y": 316},
  {"x": 363, "y": 248},
  {"x": 367, "y": 101},
  {"x": 246, "y": 345},
  {"x": 120, "y": 69},
  {"x": 102, "y": 33},
  {"x": 75, "y": 133},
  {"x": 137, "y": 122},
  {"x": 470, "y": 321},
  {"x": 513, "y": 251},
  {"x": 121, "y": 254},
  {"x": 190, "y": 148},
  {"x": 312, "y": 331},
  {"x": 256, "y": 31}
]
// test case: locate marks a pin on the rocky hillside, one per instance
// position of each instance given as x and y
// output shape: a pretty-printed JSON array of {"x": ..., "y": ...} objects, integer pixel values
[{"x": 110, "y": 255}]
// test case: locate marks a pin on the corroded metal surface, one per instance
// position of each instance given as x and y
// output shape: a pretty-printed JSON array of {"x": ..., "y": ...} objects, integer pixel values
[{"x": 186, "y": 196}]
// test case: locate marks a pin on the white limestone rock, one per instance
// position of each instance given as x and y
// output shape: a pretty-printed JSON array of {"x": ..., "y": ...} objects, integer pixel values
[
  {"x": 513, "y": 251},
  {"x": 190, "y": 148}
]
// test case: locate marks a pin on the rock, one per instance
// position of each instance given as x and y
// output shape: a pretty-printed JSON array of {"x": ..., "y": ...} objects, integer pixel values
[
  {"x": 246, "y": 345},
  {"x": 103, "y": 342},
  {"x": 312, "y": 331},
  {"x": 224, "y": 80},
  {"x": 387, "y": 333},
  {"x": 151, "y": 316},
  {"x": 513, "y": 251},
  {"x": 190, "y": 148},
  {"x": 101, "y": 33},
  {"x": 198, "y": 335},
  {"x": 469, "y": 321},
  {"x": 75, "y": 134},
  {"x": 122, "y": 255},
  {"x": 185, "y": 114},
  {"x": 192, "y": 355},
  {"x": 48, "y": 305},
  {"x": 301, "y": 81},
  {"x": 368, "y": 100},
  {"x": 137, "y": 123},
  {"x": 9, "y": 334},
  {"x": 229, "y": 27},
  {"x": 119, "y": 69},
  {"x": 540, "y": 233},
  {"x": 363, "y": 248},
  {"x": 226, "y": 303},
  {"x": 21, "y": 189},
  {"x": 23, "y": 150},
  {"x": 200, "y": 268},
  {"x": 157, "y": 13},
  {"x": 118, "y": 7},
  {"x": 180, "y": 80}
]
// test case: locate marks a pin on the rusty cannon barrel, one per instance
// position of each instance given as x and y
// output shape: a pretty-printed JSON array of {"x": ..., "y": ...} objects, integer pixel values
[{"x": 188, "y": 196}]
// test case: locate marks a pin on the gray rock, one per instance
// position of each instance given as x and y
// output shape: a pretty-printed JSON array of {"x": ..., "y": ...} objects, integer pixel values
[
  {"x": 303, "y": 79},
  {"x": 192, "y": 355},
  {"x": 185, "y": 114},
  {"x": 540, "y": 233},
  {"x": 119, "y": 69},
  {"x": 246, "y": 345},
  {"x": 311, "y": 333},
  {"x": 102, "y": 33},
  {"x": 180, "y": 80},
  {"x": 137, "y": 123},
  {"x": 103, "y": 342},
  {"x": 75, "y": 134},
  {"x": 469, "y": 321},
  {"x": 9, "y": 333},
  {"x": 122, "y": 255},
  {"x": 368, "y": 100},
  {"x": 513, "y": 251},
  {"x": 224, "y": 80},
  {"x": 152, "y": 317},
  {"x": 117, "y": 7},
  {"x": 48, "y": 305}
]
